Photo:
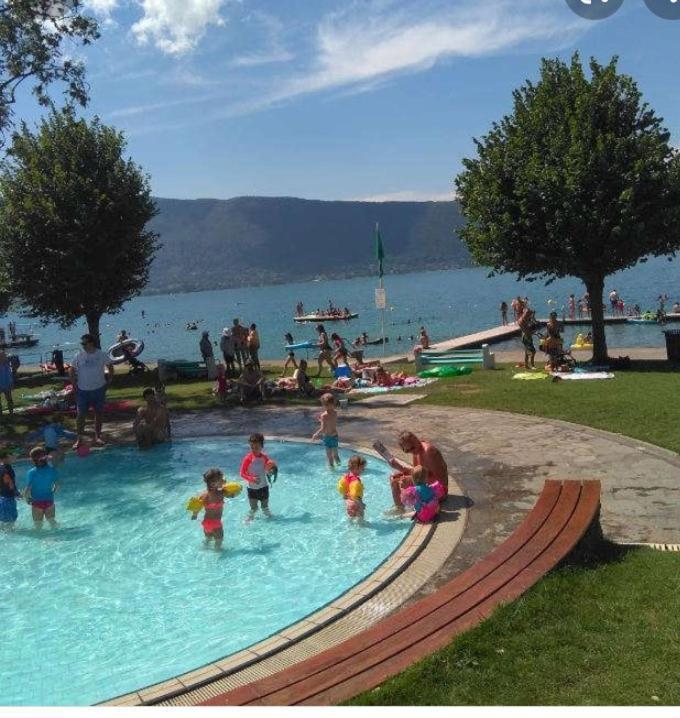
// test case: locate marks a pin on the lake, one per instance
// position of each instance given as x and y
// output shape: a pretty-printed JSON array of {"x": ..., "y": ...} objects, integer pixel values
[{"x": 449, "y": 303}]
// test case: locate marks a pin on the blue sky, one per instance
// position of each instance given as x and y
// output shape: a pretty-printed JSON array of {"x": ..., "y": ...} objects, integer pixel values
[{"x": 338, "y": 99}]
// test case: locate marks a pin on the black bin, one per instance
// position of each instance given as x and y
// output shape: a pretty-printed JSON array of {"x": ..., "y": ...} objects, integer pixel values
[{"x": 673, "y": 344}]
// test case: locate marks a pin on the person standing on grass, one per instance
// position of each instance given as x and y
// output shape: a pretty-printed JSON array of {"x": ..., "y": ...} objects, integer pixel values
[
  {"x": 240, "y": 335},
  {"x": 90, "y": 374},
  {"x": 6, "y": 383},
  {"x": 254, "y": 345},
  {"x": 527, "y": 325},
  {"x": 325, "y": 354},
  {"x": 205, "y": 345},
  {"x": 227, "y": 347}
]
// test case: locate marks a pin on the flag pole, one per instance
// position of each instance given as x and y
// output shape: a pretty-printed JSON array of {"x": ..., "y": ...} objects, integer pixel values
[{"x": 382, "y": 286}]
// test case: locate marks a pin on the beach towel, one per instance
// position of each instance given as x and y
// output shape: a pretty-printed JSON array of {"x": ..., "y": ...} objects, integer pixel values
[
  {"x": 385, "y": 389},
  {"x": 531, "y": 375},
  {"x": 585, "y": 375}
]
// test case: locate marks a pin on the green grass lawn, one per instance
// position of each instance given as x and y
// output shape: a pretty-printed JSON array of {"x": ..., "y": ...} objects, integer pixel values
[{"x": 581, "y": 636}]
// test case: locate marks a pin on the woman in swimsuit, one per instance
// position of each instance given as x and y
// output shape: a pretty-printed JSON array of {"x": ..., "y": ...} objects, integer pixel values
[
  {"x": 325, "y": 354},
  {"x": 213, "y": 505}
]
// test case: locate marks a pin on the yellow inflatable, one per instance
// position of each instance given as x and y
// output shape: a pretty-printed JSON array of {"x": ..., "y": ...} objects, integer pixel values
[
  {"x": 580, "y": 343},
  {"x": 351, "y": 489},
  {"x": 231, "y": 489},
  {"x": 195, "y": 504}
]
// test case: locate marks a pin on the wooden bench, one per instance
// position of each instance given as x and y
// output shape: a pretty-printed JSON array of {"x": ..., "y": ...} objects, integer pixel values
[
  {"x": 456, "y": 357},
  {"x": 181, "y": 369},
  {"x": 565, "y": 515}
]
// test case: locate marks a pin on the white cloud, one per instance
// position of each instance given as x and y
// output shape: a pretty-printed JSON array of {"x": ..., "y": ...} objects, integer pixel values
[
  {"x": 275, "y": 50},
  {"x": 176, "y": 26},
  {"x": 409, "y": 195},
  {"x": 360, "y": 46},
  {"x": 102, "y": 7}
]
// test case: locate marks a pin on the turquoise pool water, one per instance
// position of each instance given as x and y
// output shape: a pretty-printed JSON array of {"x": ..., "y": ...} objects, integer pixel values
[{"x": 123, "y": 594}]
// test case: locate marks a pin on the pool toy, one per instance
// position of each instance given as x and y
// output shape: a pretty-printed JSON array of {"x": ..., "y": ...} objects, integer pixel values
[
  {"x": 580, "y": 343},
  {"x": 300, "y": 345},
  {"x": 83, "y": 450},
  {"x": 122, "y": 351},
  {"x": 426, "y": 510},
  {"x": 351, "y": 487},
  {"x": 352, "y": 490},
  {"x": 194, "y": 504},
  {"x": 232, "y": 489},
  {"x": 272, "y": 471},
  {"x": 445, "y": 371}
]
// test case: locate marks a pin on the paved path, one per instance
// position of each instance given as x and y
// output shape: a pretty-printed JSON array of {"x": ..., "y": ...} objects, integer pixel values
[{"x": 501, "y": 461}]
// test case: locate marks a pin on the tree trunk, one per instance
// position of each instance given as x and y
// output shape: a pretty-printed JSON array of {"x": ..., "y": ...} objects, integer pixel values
[
  {"x": 93, "y": 326},
  {"x": 595, "y": 287}
]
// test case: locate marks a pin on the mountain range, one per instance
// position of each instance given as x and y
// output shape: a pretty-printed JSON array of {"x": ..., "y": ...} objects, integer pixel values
[{"x": 214, "y": 244}]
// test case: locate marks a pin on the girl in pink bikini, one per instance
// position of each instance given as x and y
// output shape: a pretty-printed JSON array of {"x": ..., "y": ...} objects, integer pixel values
[{"x": 213, "y": 505}]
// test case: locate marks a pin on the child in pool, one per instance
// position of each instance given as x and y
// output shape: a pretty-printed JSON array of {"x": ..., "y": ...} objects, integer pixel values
[
  {"x": 51, "y": 433},
  {"x": 328, "y": 429},
  {"x": 41, "y": 483},
  {"x": 213, "y": 505},
  {"x": 351, "y": 488},
  {"x": 8, "y": 492},
  {"x": 256, "y": 468}
]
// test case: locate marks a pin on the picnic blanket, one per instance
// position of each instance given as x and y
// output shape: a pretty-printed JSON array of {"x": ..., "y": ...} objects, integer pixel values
[
  {"x": 585, "y": 375},
  {"x": 386, "y": 389}
]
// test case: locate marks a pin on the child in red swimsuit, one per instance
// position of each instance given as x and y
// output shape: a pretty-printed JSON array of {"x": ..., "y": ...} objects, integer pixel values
[{"x": 213, "y": 504}]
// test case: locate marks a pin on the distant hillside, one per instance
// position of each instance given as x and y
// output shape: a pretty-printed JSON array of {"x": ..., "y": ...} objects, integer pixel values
[{"x": 210, "y": 244}]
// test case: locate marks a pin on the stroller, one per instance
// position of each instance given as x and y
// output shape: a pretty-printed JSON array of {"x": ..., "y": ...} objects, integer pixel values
[{"x": 559, "y": 358}]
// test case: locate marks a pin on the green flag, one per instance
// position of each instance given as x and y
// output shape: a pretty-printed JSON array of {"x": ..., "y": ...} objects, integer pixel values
[{"x": 379, "y": 252}]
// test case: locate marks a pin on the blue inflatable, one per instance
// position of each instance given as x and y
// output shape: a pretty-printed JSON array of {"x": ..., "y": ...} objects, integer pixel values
[{"x": 300, "y": 345}]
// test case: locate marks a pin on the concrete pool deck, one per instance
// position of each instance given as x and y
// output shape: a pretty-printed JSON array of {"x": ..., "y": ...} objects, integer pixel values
[{"x": 499, "y": 461}]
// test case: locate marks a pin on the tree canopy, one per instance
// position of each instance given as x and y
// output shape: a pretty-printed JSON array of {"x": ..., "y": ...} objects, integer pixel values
[
  {"x": 580, "y": 180},
  {"x": 73, "y": 216}
]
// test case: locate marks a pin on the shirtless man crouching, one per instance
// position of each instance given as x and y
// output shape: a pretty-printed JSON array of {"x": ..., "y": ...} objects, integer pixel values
[
  {"x": 152, "y": 423},
  {"x": 425, "y": 454}
]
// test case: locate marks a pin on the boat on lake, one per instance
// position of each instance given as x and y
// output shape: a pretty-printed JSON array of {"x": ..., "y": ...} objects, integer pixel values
[
  {"x": 20, "y": 341},
  {"x": 326, "y": 317}
]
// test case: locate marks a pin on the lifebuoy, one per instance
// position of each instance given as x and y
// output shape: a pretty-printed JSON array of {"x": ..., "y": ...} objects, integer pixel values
[{"x": 118, "y": 356}]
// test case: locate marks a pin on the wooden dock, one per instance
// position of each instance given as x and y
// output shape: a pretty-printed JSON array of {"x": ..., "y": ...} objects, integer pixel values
[{"x": 503, "y": 333}]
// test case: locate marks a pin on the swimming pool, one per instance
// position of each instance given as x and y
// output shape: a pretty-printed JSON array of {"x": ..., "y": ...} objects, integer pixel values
[{"x": 123, "y": 594}]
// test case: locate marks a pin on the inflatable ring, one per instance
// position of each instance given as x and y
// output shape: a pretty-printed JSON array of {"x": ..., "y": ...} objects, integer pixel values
[
  {"x": 116, "y": 356},
  {"x": 231, "y": 489},
  {"x": 581, "y": 346}
]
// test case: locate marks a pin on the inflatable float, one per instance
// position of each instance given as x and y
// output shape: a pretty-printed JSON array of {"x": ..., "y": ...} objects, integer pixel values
[
  {"x": 300, "y": 345},
  {"x": 123, "y": 351},
  {"x": 580, "y": 343},
  {"x": 445, "y": 371}
]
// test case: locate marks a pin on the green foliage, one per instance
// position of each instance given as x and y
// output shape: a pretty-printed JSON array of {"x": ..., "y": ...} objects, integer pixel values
[
  {"x": 73, "y": 221},
  {"x": 579, "y": 180},
  {"x": 32, "y": 35}
]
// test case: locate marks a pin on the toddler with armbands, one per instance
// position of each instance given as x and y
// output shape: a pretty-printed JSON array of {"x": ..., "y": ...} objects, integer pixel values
[
  {"x": 423, "y": 497},
  {"x": 351, "y": 488}
]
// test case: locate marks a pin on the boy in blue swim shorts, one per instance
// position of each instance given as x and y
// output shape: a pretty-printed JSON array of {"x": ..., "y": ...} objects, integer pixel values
[{"x": 328, "y": 429}]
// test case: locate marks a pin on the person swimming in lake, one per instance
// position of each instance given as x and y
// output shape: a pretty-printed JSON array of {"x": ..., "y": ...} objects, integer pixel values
[{"x": 213, "y": 505}]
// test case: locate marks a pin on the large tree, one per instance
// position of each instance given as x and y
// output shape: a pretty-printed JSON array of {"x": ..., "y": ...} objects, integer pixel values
[
  {"x": 73, "y": 221},
  {"x": 37, "y": 38},
  {"x": 580, "y": 180}
]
